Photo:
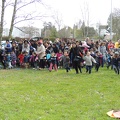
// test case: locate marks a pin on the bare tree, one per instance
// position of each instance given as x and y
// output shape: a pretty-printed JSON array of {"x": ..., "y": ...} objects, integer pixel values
[
  {"x": 3, "y": 7},
  {"x": 13, "y": 18},
  {"x": 29, "y": 31},
  {"x": 58, "y": 19},
  {"x": 20, "y": 5},
  {"x": 2, "y": 19},
  {"x": 115, "y": 23},
  {"x": 86, "y": 17}
]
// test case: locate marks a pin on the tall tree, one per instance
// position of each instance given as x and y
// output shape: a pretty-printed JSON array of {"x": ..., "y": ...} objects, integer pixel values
[
  {"x": 58, "y": 19},
  {"x": 53, "y": 32},
  {"x": 65, "y": 32},
  {"x": 20, "y": 5},
  {"x": 49, "y": 30},
  {"x": 83, "y": 29},
  {"x": 29, "y": 31},
  {"x": 13, "y": 18},
  {"x": 115, "y": 22},
  {"x": 4, "y": 5},
  {"x": 91, "y": 31},
  {"x": 2, "y": 18}
]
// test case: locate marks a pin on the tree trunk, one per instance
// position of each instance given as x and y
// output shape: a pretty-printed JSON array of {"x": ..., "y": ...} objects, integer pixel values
[
  {"x": 13, "y": 19},
  {"x": 2, "y": 19}
]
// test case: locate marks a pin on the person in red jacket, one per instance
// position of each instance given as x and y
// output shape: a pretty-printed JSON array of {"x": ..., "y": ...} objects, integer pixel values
[
  {"x": 110, "y": 45},
  {"x": 21, "y": 58}
]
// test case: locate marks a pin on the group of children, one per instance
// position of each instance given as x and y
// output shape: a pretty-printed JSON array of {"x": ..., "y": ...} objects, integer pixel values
[
  {"x": 52, "y": 60},
  {"x": 8, "y": 60},
  {"x": 58, "y": 60},
  {"x": 112, "y": 59},
  {"x": 24, "y": 60}
]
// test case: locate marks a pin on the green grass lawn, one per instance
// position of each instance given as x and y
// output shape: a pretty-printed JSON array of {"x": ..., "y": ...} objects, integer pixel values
[{"x": 27, "y": 94}]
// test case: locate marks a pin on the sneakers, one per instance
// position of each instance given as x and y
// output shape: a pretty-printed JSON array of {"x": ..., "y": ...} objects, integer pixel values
[
  {"x": 115, "y": 70},
  {"x": 34, "y": 68}
]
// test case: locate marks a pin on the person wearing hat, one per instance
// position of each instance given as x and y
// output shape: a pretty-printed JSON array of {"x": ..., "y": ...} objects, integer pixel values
[
  {"x": 41, "y": 53},
  {"x": 115, "y": 62}
]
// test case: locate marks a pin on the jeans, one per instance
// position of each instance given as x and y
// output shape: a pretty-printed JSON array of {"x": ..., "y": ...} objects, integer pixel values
[
  {"x": 88, "y": 68},
  {"x": 116, "y": 69}
]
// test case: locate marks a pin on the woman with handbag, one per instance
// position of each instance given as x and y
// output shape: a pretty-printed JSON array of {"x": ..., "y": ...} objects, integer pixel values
[{"x": 76, "y": 57}]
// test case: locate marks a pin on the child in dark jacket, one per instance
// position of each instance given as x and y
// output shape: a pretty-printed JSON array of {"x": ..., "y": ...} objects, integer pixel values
[
  {"x": 108, "y": 56},
  {"x": 66, "y": 61},
  {"x": 13, "y": 59},
  {"x": 34, "y": 60},
  {"x": 26, "y": 60},
  {"x": 115, "y": 62},
  {"x": 97, "y": 58},
  {"x": 53, "y": 62},
  {"x": 4, "y": 59}
]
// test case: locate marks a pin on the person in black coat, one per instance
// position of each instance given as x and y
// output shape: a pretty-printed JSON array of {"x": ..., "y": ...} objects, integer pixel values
[
  {"x": 3, "y": 58},
  {"x": 55, "y": 48},
  {"x": 76, "y": 57},
  {"x": 115, "y": 62}
]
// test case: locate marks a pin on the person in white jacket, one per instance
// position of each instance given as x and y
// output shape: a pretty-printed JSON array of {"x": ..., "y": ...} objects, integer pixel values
[
  {"x": 26, "y": 47},
  {"x": 41, "y": 54},
  {"x": 88, "y": 61}
]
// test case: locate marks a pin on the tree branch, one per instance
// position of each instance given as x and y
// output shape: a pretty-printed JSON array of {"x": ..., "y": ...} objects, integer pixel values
[
  {"x": 20, "y": 29},
  {"x": 27, "y": 4},
  {"x": 30, "y": 18}
]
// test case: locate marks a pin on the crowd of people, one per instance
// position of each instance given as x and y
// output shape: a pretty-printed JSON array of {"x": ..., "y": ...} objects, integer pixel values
[{"x": 62, "y": 53}]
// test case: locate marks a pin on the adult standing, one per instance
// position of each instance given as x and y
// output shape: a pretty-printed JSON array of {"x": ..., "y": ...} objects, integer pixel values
[
  {"x": 75, "y": 55},
  {"x": 102, "y": 49},
  {"x": 8, "y": 47},
  {"x": 41, "y": 53},
  {"x": 26, "y": 47}
]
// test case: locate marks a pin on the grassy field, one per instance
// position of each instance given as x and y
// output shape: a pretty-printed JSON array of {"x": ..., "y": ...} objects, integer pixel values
[{"x": 27, "y": 94}]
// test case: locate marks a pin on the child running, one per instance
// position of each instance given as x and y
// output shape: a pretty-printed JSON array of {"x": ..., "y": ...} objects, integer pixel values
[
  {"x": 66, "y": 61},
  {"x": 53, "y": 62},
  {"x": 88, "y": 61},
  {"x": 115, "y": 62}
]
